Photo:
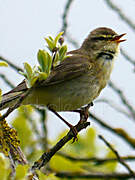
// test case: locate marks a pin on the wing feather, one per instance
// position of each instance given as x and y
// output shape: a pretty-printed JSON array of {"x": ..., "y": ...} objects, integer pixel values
[{"x": 68, "y": 69}]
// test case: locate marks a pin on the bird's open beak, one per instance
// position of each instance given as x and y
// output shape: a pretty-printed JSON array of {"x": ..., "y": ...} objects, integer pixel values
[{"x": 118, "y": 39}]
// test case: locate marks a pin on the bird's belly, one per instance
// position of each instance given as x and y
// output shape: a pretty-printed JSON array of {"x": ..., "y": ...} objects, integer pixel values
[{"x": 69, "y": 95}]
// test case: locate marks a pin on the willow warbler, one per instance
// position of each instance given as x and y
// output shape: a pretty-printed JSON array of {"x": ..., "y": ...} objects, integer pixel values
[{"x": 77, "y": 80}]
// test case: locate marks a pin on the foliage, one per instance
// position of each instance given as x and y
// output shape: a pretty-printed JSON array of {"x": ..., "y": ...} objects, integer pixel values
[
  {"x": 4, "y": 64},
  {"x": 85, "y": 147},
  {"x": 46, "y": 60}
]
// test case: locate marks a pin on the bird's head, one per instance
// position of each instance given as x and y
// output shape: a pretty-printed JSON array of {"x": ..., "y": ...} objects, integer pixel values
[{"x": 102, "y": 43}]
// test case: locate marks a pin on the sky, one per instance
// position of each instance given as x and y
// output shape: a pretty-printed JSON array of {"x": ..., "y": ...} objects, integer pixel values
[{"x": 25, "y": 23}]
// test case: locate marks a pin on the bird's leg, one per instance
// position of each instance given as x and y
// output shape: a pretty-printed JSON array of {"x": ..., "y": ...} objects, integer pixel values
[{"x": 73, "y": 128}]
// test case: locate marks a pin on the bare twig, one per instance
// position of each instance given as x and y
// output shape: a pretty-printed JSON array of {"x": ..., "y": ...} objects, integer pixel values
[
  {"x": 127, "y": 57},
  {"x": 114, "y": 106},
  {"x": 123, "y": 98},
  {"x": 121, "y": 14},
  {"x": 130, "y": 141},
  {"x": 77, "y": 175},
  {"x": 6, "y": 81},
  {"x": 95, "y": 159},
  {"x": 64, "y": 16},
  {"x": 16, "y": 68},
  {"x": 120, "y": 160}
]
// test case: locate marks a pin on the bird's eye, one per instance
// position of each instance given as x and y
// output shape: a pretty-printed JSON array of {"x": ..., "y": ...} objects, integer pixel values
[{"x": 105, "y": 55}]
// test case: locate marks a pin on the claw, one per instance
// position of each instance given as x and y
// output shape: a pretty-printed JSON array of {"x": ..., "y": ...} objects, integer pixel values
[{"x": 75, "y": 132}]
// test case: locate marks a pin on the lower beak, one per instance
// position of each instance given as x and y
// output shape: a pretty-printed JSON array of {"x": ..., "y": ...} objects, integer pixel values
[{"x": 118, "y": 39}]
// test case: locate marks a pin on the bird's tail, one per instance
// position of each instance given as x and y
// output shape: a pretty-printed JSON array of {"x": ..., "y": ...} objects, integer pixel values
[{"x": 9, "y": 99}]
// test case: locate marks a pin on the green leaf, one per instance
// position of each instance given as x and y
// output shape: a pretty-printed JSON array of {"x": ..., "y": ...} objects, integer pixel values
[
  {"x": 34, "y": 79},
  {"x": 45, "y": 61},
  {"x": 56, "y": 58},
  {"x": 50, "y": 43},
  {"x": 42, "y": 75},
  {"x": 24, "y": 74},
  {"x": 50, "y": 38},
  {"x": 57, "y": 38},
  {"x": 28, "y": 70},
  {"x": 62, "y": 52},
  {"x": 42, "y": 59},
  {"x": 49, "y": 63},
  {"x": 2, "y": 63}
]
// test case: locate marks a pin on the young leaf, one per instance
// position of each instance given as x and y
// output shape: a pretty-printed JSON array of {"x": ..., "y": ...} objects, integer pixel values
[
  {"x": 50, "y": 43},
  {"x": 28, "y": 70},
  {"x": 34, "y": 79},
  {"x": 62, "y": 52},
  {"x": 42, "y": 75},
  {"x": 24, "y": 74},
  {"x": 56, "y": 58},
  {"x": 50, "y": 38},
  {"x": 42, "y": 59},
  {"x": 57, "y": 38},
  {"x": 49, "y": 63},
  {"x": 2, "y": 63}
]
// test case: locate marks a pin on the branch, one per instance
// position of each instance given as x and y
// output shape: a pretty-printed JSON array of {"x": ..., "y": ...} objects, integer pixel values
[
  {"x": 64, "y": 16},
  {"x": 6, "y": 81},
  {"x": 127, "y": 57},
  {"x": 123, "y": 98},
  {"x": 121, "y": 14},
  {"x": 95, "y": 159},
  {"x": 117, "y": 132},
  {"x": 45, "y": 158},
  {"x": 114, "y": 106},
  {"x": 121, "y": 161},
  {"x": 93, "y": 175},
  {"x": 16, "y": 68}
]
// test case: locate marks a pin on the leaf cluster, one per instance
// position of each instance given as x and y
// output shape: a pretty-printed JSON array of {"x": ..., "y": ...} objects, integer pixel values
[{"x": 46, "y": 60}]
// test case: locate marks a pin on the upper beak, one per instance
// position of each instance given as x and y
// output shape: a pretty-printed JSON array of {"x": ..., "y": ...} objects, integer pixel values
[{"x": 118, "y": 39}]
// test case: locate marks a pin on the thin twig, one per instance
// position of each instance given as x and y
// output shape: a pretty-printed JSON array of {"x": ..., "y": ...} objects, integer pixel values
[
  {"x": 64, "y": 16},
  {"x": 130, "y": 141},
  {"x": 127, "y": 57},
  {"x": 121, "y": 161},
  {"x": 16, "y": 68},
  {"x": 95, "y": 159},
  {"x": 71, "y": 175},
  {"x": 123, "y": 98},
  {"x": 6, "y": 81},
  {"x": 121, "y": 14},
  {"x": 114, "y": 106}
]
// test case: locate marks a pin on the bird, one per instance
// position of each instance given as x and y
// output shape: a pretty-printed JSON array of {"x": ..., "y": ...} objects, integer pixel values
[{"x": 78, "y": 79}]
